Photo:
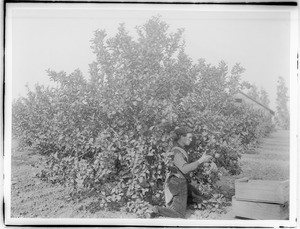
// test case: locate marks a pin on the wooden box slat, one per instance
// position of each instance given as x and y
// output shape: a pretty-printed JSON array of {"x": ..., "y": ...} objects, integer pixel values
[
  {"x": 262, "y": 190},
  {"x": 260, "y": 211}
]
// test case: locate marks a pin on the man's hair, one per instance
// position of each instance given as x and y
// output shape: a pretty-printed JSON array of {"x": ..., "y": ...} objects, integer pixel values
[{"x": 182, "y": 131}]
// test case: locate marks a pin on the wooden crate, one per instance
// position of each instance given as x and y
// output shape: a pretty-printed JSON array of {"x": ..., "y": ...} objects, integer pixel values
[
  {"x": 260, "y": 211},
  {"x": 262, "y": 190}
]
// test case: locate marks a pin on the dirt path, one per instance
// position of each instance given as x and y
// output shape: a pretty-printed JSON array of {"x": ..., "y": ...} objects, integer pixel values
[
  {"x": 33, "y": 198},
  {"x": 272, "y": 159}
]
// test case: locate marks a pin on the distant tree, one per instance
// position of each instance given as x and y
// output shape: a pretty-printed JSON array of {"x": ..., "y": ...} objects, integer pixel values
[
  {"x": 264, "y": 97},
  {"x": 282, "y": 112},
  {"x": 253, "y": 92}
]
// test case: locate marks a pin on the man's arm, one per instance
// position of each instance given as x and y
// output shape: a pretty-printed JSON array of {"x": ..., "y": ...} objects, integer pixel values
[{"x": 182, "y": 165}]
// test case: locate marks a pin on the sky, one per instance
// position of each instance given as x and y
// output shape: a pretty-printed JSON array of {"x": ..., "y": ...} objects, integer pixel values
[{"x": 57, "y": 37}]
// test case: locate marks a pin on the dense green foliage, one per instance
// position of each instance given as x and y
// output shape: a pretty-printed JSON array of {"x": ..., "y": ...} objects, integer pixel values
[{"x": 113, "y": 132}]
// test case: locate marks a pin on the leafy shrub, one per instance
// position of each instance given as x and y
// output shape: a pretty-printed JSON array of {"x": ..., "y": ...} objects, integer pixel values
[{"x": 113, "y": 132}]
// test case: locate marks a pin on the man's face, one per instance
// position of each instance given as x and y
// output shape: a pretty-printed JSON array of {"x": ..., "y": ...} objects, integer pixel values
[{"x": 188, "y": 139}]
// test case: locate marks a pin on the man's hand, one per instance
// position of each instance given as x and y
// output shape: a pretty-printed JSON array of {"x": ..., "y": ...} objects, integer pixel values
[
  {"x": 213, "y": 167},
  {"x": 204, "y": 158}
]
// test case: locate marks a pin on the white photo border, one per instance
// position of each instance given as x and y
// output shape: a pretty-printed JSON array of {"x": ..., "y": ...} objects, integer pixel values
[{"x": 294, "y": 130}]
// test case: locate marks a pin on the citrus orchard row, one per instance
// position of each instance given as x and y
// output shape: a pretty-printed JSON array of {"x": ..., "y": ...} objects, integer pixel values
[{"x": 113, "y": 132}]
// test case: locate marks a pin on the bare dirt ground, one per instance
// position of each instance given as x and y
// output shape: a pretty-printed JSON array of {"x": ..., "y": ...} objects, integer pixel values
[{"x": 32, "y": 198}]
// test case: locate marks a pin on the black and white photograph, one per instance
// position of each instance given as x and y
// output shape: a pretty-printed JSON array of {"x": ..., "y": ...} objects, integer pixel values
[{"x": 150, "y": 114}]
